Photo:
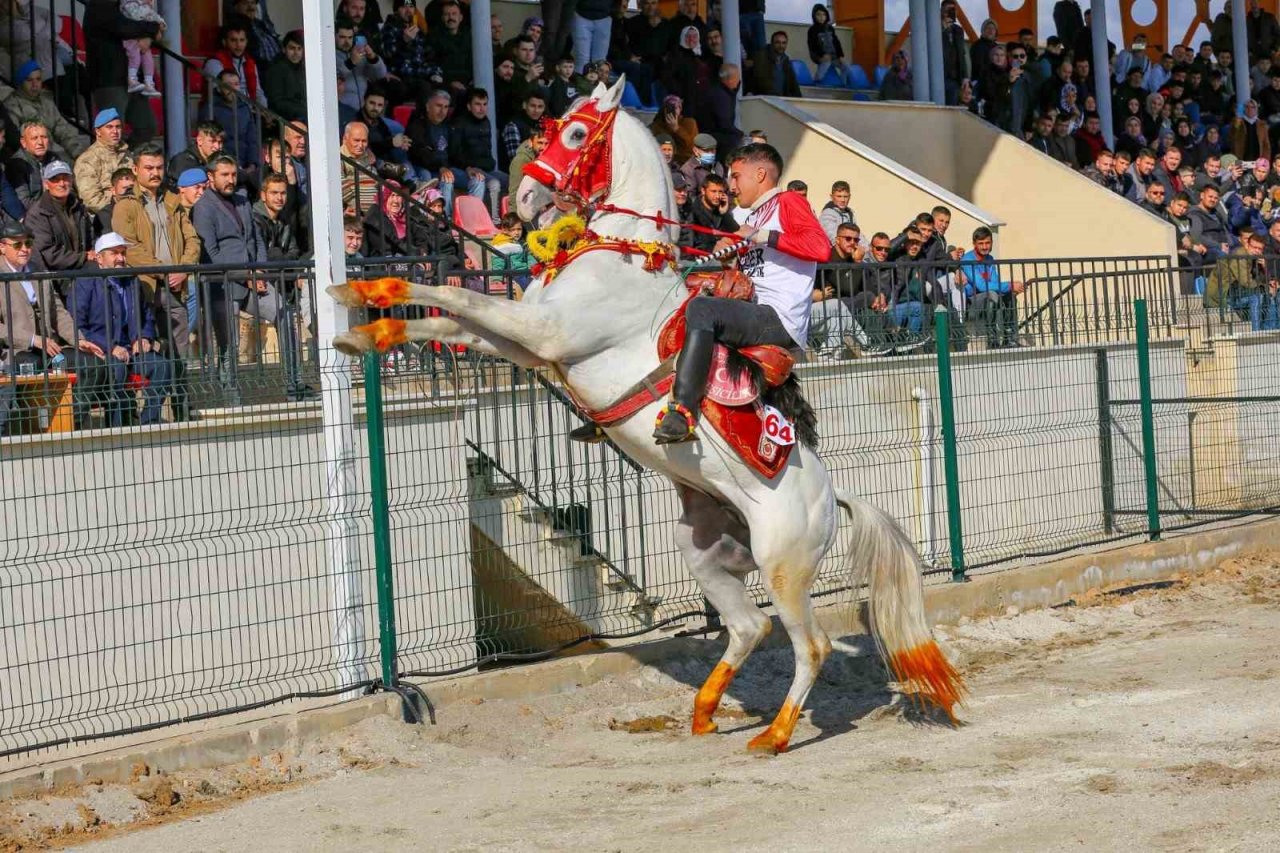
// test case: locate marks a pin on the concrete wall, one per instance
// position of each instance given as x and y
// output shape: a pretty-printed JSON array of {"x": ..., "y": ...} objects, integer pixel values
[
  {"x": 885, "y": 192},
  {"x": 1049, "y": 210}
]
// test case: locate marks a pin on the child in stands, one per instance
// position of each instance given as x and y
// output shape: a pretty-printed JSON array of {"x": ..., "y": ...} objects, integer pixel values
[{"x": 138, "y": 51}]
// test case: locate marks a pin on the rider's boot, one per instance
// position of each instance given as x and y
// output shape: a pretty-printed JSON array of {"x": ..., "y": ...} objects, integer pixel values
[
  {"x": 588, "y": 433},
  {"x": 679, "y": 419}
]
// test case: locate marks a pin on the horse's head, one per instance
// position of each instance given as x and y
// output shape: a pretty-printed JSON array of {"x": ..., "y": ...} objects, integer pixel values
[{"x": 576, "y": 163}]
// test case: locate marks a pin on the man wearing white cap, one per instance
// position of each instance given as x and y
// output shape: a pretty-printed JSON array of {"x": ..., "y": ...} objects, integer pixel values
[
  {"x": 116, "y": 326},
  {"x": 62, "y": 227},
  {"x": 95, "y": 166}
]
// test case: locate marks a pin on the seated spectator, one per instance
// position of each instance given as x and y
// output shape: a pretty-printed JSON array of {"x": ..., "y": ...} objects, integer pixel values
[
  {"x": 772, "y": 73},
  {"x": 1121, "y": 168},
  {"x": 122, "y": 183},
  {"x": 1062, "y": 146},
  {"x": 1209, "y": 230},
  {"x": 234, "y": 57},
  {"x": 386, "y": 227},
  {"x": 352, "y": 239},
  {"x": 1176, "y": 212},
  {"x": 1166, "y": 173},
  {"x": 472, "y": 146},
  {"x": 689, "y": 74},
  {"x": 359, "y": 185},
  {"x": 29, "y": 102},
  {"x": 667, "y": 148},
  {"x": 837, "y": 211},
  {"x": 284, "y": 81},
  {"x": 511, "y": 253},
  {"x": 358, "y": 64},
  {"x": 35, "y": 327},
  {"x": 824, "y": 45},
  {"x": 1250, "y": 138},
  {"x": 680, "y": 187},
  {"x": 702, "y": 163},
  {"x": 898, "y": 84},
  {"x": 563, "y": 90},
  {"x": 710, "y": 209},
  {"x": 686, "y": 16},
  {"x": 1153, "y": 202},
  {"x": 851, "y": 301},
  {"x": 721, "y": 120},
  {"x": 1042, "y": 134},
  {"x": 270, "y": 214},
  {"x": 60, "y": 224},
  {"x": 1102, "y": 170},
  {"x": 527, "y": 76},
  {"x": 431, "y": 135},
  {"x": 911, "y": 288},
  {"x": 1241, "y": 283},
  {"x": 440, "y": 239},
  {"x": 1089, "y": 139},
  {"x": 518, "y": 129},
  {"x": 234, "y": 113},
  {"x": 384, "y": 141},
  {"x": 1143, "y": 172},
  {"x": 451, "y": 45},
  {"x": 1214, "y": 98},
  {"x": 408, "y": 55},
  {"x": 25, "y": 169},
  {"x": 100, "y": 160},
  {"x": 209, "y": 140},
  {"x": 365, "y": 17},
  {"x": 991, "y": 299},
  {"x": 528, "y": 151},
  {"x": 932, "y": 246},
  {"x": 116, "y": 326},
  {"x": 678, "y": 127},
  {"x": 11, "y": 207},
  {"x": 1244, "y": 212}
]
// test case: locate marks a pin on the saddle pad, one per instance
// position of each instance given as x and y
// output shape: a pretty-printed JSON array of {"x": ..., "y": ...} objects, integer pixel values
[
  {"x": 722, "y": 387},
  {"x": 742, "y": 427}
]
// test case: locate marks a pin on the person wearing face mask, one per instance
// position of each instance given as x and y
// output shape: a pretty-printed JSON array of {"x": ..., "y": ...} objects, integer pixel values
[{"x": 702, "y": 163}]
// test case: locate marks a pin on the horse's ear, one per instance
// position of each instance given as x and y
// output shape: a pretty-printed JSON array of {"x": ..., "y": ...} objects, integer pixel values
[
  {"x": 600, "y": 91},
  {"x": 610, "y": 99}
]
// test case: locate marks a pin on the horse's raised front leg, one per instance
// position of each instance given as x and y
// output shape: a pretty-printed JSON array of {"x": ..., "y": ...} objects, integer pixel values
[
  {"x": 529, "y": 326},
  {"x": 715, "y": 545},
  {"x": 382, "y": 335}
]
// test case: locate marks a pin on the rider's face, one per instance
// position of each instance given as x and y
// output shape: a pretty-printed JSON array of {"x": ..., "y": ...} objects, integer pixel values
[{"x": 748, "y": 181}]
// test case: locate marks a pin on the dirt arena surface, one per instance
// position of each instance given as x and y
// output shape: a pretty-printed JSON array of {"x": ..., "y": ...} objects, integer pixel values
[{"x": 1145, "y": 720}]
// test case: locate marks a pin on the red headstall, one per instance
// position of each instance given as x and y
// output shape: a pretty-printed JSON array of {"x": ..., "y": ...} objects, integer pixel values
[{"x": 577, "y": 157}]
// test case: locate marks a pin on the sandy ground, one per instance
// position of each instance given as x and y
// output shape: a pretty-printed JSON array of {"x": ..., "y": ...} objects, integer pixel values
[{"x": 1140, "y": 721}]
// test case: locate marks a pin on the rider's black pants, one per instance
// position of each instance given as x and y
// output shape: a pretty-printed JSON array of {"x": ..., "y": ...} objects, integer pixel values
[{"x": 736, "y": 322}]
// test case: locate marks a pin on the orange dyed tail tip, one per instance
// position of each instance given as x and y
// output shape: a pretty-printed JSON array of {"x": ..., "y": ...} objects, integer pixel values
[
  {"x": 385, "y": 333},
  {"x": 382, "y": 292},
  {"x": 925, "y": 671}
]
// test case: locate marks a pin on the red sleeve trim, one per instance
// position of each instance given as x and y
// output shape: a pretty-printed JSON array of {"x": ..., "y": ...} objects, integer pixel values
[{"x": 802, "y": 237}]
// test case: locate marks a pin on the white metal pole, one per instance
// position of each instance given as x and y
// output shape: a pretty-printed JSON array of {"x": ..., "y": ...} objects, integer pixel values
[
  {"x": 920, "y": 49},
  {"x": 937, "y": 83},
  {"x": 175, "y": 81},
  {"x": 337, "y": 411},
  {"x": 482, "y": 64},
  {"x": 1102, "y": 68},
  {"x": 731, "y": 30},
  {"x": 1240, "y": 54}
]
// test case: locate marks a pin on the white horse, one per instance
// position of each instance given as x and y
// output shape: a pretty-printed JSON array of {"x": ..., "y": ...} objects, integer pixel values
[{"x": 595, "y": 324}]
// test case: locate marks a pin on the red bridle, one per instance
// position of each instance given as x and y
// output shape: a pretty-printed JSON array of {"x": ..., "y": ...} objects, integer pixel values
[{"x": 576, "y": 161}]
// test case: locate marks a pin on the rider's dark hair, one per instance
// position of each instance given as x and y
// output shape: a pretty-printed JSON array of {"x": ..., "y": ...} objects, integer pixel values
[{"x": 759, "y": 152}]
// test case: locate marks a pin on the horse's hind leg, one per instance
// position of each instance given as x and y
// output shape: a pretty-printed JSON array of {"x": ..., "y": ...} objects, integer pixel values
[{"x": 716, "y": 547}]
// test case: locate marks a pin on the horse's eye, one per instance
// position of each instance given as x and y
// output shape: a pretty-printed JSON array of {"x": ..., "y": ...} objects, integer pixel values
[{"x": 574, "y": 136}]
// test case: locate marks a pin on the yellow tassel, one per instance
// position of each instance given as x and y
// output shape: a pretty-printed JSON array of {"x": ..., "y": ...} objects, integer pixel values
[{"x": 545, "y": 244}]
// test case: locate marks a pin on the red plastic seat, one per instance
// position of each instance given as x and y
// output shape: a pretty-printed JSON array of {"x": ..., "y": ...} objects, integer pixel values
[
  {"x": 505, "y": 207},
  {"x": 472, "y": 215},
  {"x": 401, "y": 113}
]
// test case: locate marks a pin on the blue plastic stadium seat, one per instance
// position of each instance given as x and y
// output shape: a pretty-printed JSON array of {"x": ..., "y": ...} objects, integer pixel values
[
  {"x": 857, "y": 78},
  {"x": 631, "y": 98},
  {"x": 832, "y": 79},
  {"x": 803, "y": 75},
  {"x": 882, "y": 71},
  {"x": 860, "y": 96}
]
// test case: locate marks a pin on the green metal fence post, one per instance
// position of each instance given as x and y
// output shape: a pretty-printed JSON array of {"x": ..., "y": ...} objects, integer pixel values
[
  {"x": 1148, "y": 419},
  {"x": 950, "y": 462},
  {"x": 381, "y": 518}
]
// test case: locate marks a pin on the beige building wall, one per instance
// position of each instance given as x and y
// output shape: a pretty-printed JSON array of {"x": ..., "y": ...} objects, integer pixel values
[
  {"x": 886, "y": 193},
  {"x": 1049, "y": 210}
]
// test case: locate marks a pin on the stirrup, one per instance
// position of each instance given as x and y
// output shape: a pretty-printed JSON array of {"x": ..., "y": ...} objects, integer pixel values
[
  {"x": 588, "y": 433},
  {"x": 690, "y": 421}
]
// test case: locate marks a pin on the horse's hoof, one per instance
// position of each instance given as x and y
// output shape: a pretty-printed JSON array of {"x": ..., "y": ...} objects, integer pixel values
[
  {"x": 767, "y": 743},
  {"x": 705, "y": 727},
  {"x": 344, "y": 295},
  {"x": 353, "y": 343}
]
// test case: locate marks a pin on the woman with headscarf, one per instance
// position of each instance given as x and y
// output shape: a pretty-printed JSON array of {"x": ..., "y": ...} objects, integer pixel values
[
  {"x": 1131, "y": 139},
  {"x": 1210, "y": 145},
  {"x": 980, "y": 50},
  {"x": 671, "y": 121},
  {"x": 1153, "y": 116},
  {"x": 1069, "y": 108},
  {"x": 690, "y": 75},
  {"x": 386, "y": 226},
  {"x": 897, "y": 84}
]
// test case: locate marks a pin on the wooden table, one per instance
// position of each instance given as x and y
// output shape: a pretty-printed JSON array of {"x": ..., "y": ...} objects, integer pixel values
[{"x": 48, "y": 392}]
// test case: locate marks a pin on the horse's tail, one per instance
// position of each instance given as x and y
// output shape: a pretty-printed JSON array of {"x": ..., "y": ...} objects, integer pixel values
[{"x": 895, "y": 604}]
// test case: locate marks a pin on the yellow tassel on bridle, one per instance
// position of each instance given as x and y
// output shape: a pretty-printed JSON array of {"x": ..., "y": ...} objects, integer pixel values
[{"x": 547, "y": 243}]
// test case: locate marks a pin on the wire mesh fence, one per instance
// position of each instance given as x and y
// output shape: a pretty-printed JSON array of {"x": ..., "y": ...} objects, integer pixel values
[{"x": 201, "y": 539}]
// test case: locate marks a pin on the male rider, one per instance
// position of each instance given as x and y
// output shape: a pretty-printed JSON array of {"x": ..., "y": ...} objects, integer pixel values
[{"x": 787, "y": 243}]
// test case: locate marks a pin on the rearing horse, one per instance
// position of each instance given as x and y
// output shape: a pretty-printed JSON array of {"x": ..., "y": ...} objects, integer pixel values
[{"x": 594, "y": 319}]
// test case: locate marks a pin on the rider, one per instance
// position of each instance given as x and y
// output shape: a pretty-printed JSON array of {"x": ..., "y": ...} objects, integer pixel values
[{"x": 787, "y": 245}]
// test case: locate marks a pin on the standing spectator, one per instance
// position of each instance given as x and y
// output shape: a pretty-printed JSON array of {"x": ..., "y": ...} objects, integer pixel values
[
  {"x": 122, "y": 183},
  {"x": 980, "y": 50},
  {"x": 157, "y": 228},
  {"x": 624, "y": 58},
  {"x": 956, "y": 61},
  {"x": 25, "y": 169},
  {"x": 686, "y": 16},
  {"x": 709, "y": 210},
  {"x": 451, "y": 44},
  {"x": 209, "y": 140},
  {"x": 274, "y": 224},
  {"x": 897, "y": 85},
  {"x": 649, "y": 34},
  {"x": 234, "y": 113},
  {"x": 117, "y": 329},
  {"x": 107, "y": 65},
  {"x": 703, "y": 163},
  {"x": 772, "y": 73},
  {"x": 359, "y": 177},
  {"x": 1209, "y": 230},
  {"x": 100, "y": 160},
  {"x": 592, "y": 25},
  {"x": 472, "y": 146},
  {"x": 34, "y": 325},
  {"x": 991, "y": 298},
  {"x": 30, "y": 102},
  {"x": 431, "y": 135},
  {"x": 1068, "y": 20},
  {"x": 407, "y": 54},
  {"x": 60, "y": 224},
  {"x": 234, "y": 57},
  {"x": 751, "y": 25},
  {"x": 562, "y": 91},
  {"x": 1262, "y": 29},
  {"x": 1135, "y": 57},
  {"x": 284, "y": 82},
  {"x": 527, "y": 76},
  {"x": 366, "y": 18},
  {"x": 264, "y": 41},
  {"x": 689, "y": 74},
  {"x": 138, "y": 50},
  {"x": 681, "y": 128},
  {"x": 358, "y": 63},
  {"x": 1250, "y": 138},
  {"x": 352, "y": 239},
  {"x": 824, "y": 44},
  {"x": 722, "y": 110},
  {"x": 798, "y": 186},
  {"x": 837, "y": 212},
  {"x": 528, "y": 151},
  {"x": 519, "y": 128},
  {"x": 280, "y": 238},
  {"x": 1062, "y": 145},
  {"x": 191, "y": 186}
]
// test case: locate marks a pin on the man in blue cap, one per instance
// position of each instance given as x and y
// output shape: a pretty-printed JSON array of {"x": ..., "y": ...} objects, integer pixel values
[
  {"x": 99, "y": 162},
  {"x": 31, "y": 102}
]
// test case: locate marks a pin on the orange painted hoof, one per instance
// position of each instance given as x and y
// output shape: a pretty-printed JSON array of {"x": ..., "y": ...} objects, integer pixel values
[
  {"x": 382, "y": 292},
  {"x": 777, "y": 737},
  {"x": 708, "y": 698},
  {"x": 385, "y": 333},
  {"x": 704, "y": 726}
]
